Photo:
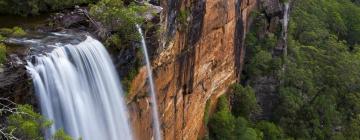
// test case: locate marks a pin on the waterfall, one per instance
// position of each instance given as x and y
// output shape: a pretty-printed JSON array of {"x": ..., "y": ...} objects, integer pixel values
[
  {"x": 79, "y": 90},
  {"x": 286, "y": 17},
  {"x": 155, "y": 114}
]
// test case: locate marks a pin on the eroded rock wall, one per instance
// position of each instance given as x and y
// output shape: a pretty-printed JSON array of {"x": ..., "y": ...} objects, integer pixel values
[{"x": 197, "y": 61}]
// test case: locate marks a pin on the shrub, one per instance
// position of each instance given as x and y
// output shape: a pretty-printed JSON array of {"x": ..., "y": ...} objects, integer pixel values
[
  {"x": 61, "y": 135},
  {"x": 26, "y": 124},
  {"x": 270, "y": 130},
  {"x": 17, "y": 31},
  {"x": 244, "y": 101},
  {"x": 114, "y": 40},
  {"x": 14, "y": 32},
  {"x": 182, "y": 18},
  {"x": 222, "y": 123},
  {"x": 119, "y": 18},
  {"x": 224, "y": 126},
  {"x": 260, "y": 63}
]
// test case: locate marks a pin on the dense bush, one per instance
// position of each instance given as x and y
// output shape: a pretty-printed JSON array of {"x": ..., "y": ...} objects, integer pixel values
[
  {"x": 270, "y": 130},
  {"x": 320, "y": 89},
  {"x": 244, "y": 101},
  {"x": 223, "y": 125},
  {"x": 24, "y": 123},
  {"x": 234, "y": 124},
  {"x": 120, "y": 19}
]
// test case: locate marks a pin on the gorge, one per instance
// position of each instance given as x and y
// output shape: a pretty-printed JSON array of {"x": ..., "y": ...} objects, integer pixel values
[{"x": 180, "y": 69}]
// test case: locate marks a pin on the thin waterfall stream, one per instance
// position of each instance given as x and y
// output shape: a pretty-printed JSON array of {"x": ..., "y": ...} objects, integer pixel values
[
  {"x": 155, "y": 112},
  {"x": 79, "y": 89},
  {"x": 286, "y": 22}
]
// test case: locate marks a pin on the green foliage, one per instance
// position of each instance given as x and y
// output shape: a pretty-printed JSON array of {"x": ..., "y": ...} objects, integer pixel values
[
  {"x": 26, "y": 124},
  {"x": 207, "y": 112},
  {"x": 17, "y": 31},
  {"x": 244, "y": 101},
  {"x": 126, "y": 82},
  {"x": 12, "y": 32},
  {"x": 260, "y": 63},
  {"x": 61, "y": 135},
  {"x": 119, "y": 17},
  {"x": 322, "y": 18},
  {"x": 2, "y": 53},
  {"x": 270, "y": 130},
  {"x": 34, "y": 7},
  {"x": 114, "y": 40},
  {"x": 318, "y": 95},
  {"x": 244, "y": 132},
  {"x": 318, "y": 98},
  {"x": 224, "y": 125},
  {"x": 182, "y": 18},
  {"x": 120, "y": 20},
  {"x": 2, "y": 38}
]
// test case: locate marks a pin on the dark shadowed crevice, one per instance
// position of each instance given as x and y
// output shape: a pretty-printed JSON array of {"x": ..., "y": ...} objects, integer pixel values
[{"x": 239, "y": 37}]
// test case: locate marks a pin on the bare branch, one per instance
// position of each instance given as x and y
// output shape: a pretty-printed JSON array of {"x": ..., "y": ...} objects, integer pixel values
[{"x": 8, "y": 106}]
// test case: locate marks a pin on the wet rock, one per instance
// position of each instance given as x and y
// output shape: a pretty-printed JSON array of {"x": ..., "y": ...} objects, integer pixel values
[
  {"x": 152, "y": 11},
  {"x": 272, "y": 7},
  {"x": 15, "y": 83}
]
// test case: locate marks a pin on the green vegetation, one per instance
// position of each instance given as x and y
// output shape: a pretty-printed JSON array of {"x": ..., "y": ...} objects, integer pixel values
[
  {"x": 235, "y": 125},
  {"x": 318, "y": 96},
  {"x": 2, "y": 53},
  {"x": 120, "y": 19},
  {"x": 318, "y": 99},
  {"x": 262, "y": 62},
  {"x": 2, "y": 38},
  {"x": 24, "y": 123},
  {"x": 182, "y": 18},
  {"x": 8, "y": 32},
  {"x": 126, "y": 82},
  {"x": 61, "y": 135},
  {"x": 34, "y": 7},
  {"x": 244, "y": 101},
  {"x": 11, "y": 32}
]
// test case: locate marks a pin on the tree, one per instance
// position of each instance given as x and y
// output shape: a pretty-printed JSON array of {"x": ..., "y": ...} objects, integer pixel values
[
  {"x": 243, "y": 101},
  {"x": 222, "y": 123},
  {"x": 23, "y": 123},
  {"x": 119, "y": 18}
]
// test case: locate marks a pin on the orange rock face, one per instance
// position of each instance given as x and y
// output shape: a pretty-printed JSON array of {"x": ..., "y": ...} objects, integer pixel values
[{"x": 198, "y": 64}]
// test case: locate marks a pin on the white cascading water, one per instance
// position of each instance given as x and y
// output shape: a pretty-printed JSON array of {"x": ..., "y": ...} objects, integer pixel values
[
  {"x": 155, "y": 114},
  {"x": 286, "y": 17},
  {"x": 79, "y": 90}
]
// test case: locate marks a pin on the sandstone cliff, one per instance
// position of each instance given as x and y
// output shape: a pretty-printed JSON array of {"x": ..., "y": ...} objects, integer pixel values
[{"x": 197, "y": 61}]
